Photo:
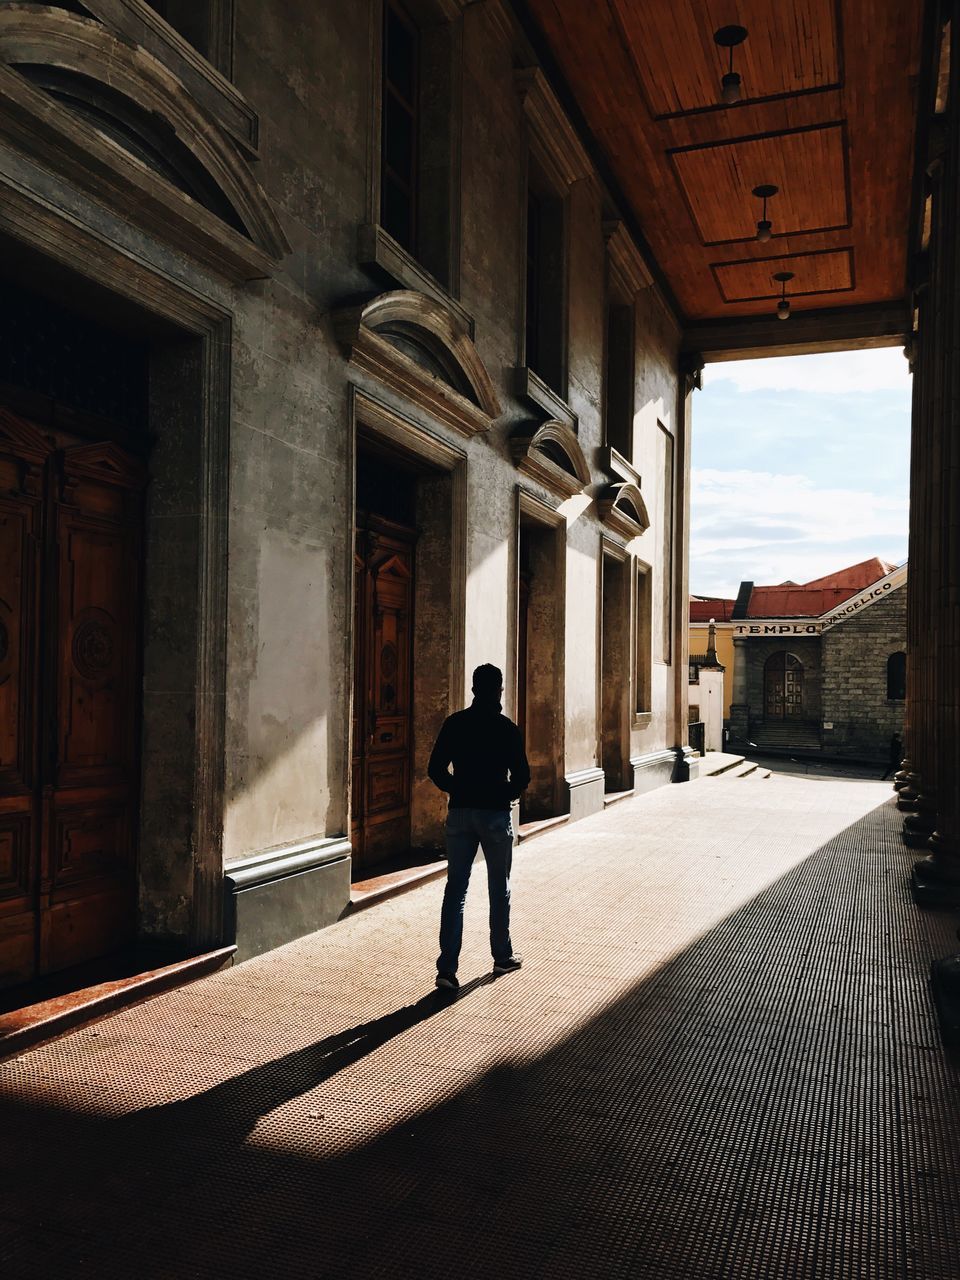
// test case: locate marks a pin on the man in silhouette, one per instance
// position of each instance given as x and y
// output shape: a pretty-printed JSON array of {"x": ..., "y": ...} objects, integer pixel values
[
  {"x": 490, "y": 770},
  {"x": 894, "y": 756}
]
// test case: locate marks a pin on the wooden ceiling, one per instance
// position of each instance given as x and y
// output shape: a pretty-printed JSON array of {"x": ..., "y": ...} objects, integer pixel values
[{"x": 827, "y": 115}]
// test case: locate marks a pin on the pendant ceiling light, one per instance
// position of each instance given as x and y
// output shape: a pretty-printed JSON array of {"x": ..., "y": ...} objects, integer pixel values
[
  {"x": 783, "y": 306},
  {"x": 764, "y": 226},
  {"x": 729, "y": 38}
]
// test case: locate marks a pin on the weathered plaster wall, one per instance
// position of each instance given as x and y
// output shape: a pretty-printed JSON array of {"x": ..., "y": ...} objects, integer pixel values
[{"x": 306, "y": 68}]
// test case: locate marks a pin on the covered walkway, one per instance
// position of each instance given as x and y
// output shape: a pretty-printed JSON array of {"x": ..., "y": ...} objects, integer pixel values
[{"x": 720, "y": 1060}]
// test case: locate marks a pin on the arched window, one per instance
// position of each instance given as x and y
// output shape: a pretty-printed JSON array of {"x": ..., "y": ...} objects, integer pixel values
[{"x": 897, "y": 677}]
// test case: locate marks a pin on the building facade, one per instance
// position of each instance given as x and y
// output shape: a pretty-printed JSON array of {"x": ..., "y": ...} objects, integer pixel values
[
  {"x": 330, "y": 369},
  {"x": 822, "y": 680}
]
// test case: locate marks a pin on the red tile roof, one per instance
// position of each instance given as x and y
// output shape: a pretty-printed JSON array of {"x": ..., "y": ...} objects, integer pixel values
[
  {"x": 793, "y": 602},
  {"x": 703, "y": 608},
  {"x": 857, "y": 576},
  {"x": 813, "y": 598},
  {"x": 796, "y": 600}
]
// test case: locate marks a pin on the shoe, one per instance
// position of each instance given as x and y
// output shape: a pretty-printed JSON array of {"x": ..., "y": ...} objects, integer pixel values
[
  {"x": 448, "y": 981},
  {"x": 510, "y": 965}
]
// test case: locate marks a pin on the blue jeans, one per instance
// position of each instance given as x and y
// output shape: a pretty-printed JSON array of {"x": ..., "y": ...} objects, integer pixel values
[{"x": 492, "y": 830}]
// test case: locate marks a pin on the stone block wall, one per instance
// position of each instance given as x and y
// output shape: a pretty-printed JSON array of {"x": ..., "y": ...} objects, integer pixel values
[{"x": 855, "y": 702}]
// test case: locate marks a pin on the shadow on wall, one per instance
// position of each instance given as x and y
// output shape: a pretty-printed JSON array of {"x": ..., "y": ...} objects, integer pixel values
[{"x": 757, "y": 1107}]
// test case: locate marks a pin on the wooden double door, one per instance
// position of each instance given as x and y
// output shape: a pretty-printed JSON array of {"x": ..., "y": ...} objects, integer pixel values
[
  {"x": 70, "y": 585},
  {"x": 383, "y": 688}
]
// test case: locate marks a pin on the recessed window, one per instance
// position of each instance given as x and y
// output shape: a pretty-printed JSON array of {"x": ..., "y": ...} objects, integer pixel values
[
  {"x": 400, "y": 136},
  {"x": 418, "y": 127},
  {"x": 897, "y": 677},
  {"x": 619, "y": 371},
  {"x": 207, "y": 26},
  {"x": 546, "y": 320}
]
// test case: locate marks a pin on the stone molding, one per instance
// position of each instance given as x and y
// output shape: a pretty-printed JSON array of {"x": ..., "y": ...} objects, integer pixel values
[
  {"x": 529, "y": 386},
  {"x": 583, "y": 777},
  {"x": 50, "y": 133},
  {"x": 625, "y": 258},
  {"x": 553, "y": 138},
  {"x": 272, "y": 864},
  {"x": 377, "y": 248},
  {"x": 530, "y": 458},
  {"x": 622, "y": 508},
  {"x": 137, "y": 22},
  {"x": 438, "y": 329}
]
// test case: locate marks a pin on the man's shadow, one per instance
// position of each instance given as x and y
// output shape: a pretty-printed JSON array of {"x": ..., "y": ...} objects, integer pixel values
[{"x": 228, "y": 1112}]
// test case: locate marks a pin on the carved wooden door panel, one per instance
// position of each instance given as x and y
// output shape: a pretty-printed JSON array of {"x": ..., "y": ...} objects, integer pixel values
[
  {"x": 773, "y": 688},
  {"x": 87, "y": 900},
  {"x": 523, "y": 640},
  {"x": 793, "y": 688},
  {"x": 361, "y": 611},
  {"x": 23, "y": 454},
  {"x": 382, "y": 697}
]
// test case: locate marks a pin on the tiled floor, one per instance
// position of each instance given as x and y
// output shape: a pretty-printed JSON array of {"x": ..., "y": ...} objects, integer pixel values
[{"x": 719, "y": 1060}]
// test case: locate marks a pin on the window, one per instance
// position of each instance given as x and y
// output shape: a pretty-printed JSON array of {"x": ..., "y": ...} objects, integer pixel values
[
  {"x": 618, "y": 378},
  {"x": 641, "y": 675},
  {"x": 666, "y": 542},
  {"x": 206, "y": 24},
  {"x": 419, "y": 117},
  {"x": 546, "y": 324},
  {"x": 897, "y": 677},
  {"x": 400, "y": 126}
]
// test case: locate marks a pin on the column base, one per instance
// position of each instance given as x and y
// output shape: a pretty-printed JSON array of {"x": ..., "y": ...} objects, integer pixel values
[
  {"x": 945, "y": 985},
  {"x": 907, "y": 798},
  {"x": 920, "y": 825},
  {"x": 915, "y": 838},
  {"x": 934, "y": 887}
]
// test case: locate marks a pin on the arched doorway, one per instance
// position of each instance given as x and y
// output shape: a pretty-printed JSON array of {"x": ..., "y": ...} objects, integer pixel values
[{"x": 782, "y": 687}]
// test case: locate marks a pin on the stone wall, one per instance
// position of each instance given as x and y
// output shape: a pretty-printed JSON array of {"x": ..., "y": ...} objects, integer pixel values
[{"x": 855, "y": 654}]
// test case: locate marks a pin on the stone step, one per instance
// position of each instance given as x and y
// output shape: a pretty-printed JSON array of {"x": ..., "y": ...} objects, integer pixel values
[
  {"x": 715, "y": 763},
  {"x": 744, "y": 770}
]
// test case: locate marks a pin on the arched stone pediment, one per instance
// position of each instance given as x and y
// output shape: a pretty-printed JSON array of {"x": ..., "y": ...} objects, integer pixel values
[
  {"x": 109, "y": 116},
  {"x": 552, "y": 455},
  {"x": 419, "y": 348},
  {"x": 622, "y": 507}
]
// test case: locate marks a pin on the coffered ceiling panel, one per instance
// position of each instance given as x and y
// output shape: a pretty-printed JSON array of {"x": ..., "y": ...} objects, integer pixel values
[
  {"x": 751, "y": 279},
  {"x": 793, "y": 47},
  {"x": 828, "y": 115},
  {"x": 807, "y": 165}
]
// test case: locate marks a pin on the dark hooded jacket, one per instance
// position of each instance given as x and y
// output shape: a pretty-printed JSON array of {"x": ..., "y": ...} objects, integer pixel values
[{"x": 486, "y": 750}]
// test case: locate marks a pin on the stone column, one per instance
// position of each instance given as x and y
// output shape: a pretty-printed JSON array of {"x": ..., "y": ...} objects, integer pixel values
[
  {"x": 919, "y": 790},
  {"x": 936, "y": 879}
]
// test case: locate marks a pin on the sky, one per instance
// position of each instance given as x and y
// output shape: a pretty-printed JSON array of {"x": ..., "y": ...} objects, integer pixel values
[{"x": 801, "y": 466}]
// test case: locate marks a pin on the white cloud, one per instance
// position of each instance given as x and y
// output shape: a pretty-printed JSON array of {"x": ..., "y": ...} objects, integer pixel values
[
  {"x": 833, "y": 372},
  {"x": 770, "y": 527}
]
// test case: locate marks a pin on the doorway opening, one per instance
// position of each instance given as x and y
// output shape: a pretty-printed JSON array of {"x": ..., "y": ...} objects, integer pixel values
[
  {"x": 403, "y": 651},
  {"x": 71, "y": 516},
  {"x": 540, "y": 658},
  {"x": 615, "y": 672},
  {"x": 783, "y": 687},
  {"x": 102, "y": 725}
]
